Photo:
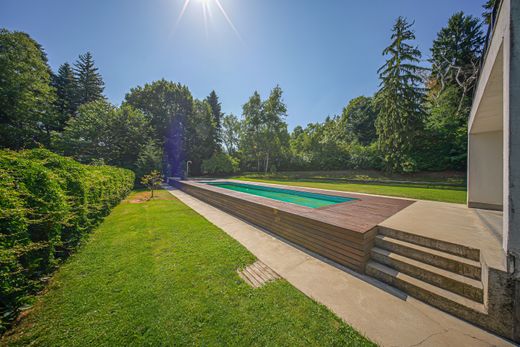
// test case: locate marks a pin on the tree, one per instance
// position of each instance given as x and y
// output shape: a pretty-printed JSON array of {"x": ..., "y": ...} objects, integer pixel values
[
  {"x": 167, "y": 106},
  {"x": 455, "y": 56},
  {"x": 358, "y": 120},
  {"x": 150, "y": 158},
  {"x": 200, "y": 144},
  {"x": 220, "y": 164},
  {"x": 90, "y": 84},
  {"x": 231, "y": 133},
  {"x": 274, "y": 135},
  {"x": 66, "y": 91},
  {"x": 27, "y": 114},
  {"x": 216, "y": 115},
  {"x": 152, "y": 181},
  {"x": 399, "y": 99},
  {"x": 250, "y": 141},
  {"x": 489, "y": 7},
  {"x": 101, "y": 131},
  {"x": 446, "y": 132}
]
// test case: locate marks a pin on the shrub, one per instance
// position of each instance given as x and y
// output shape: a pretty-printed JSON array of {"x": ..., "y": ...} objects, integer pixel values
[
  {"x": 220, "y": 163},
  {"x": 47, "y": 205},
  {"x": 364, "y": 157}
]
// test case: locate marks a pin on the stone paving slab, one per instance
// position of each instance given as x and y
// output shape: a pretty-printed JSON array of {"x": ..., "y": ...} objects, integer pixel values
[{"x": 384, "y": 314}]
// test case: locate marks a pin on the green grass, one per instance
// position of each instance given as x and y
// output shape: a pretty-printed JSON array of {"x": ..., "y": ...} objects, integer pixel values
[
  {"x": 157, "y": 273},
  {"x": 429, "y": 192},
  {"x": 442, "y": 177}
]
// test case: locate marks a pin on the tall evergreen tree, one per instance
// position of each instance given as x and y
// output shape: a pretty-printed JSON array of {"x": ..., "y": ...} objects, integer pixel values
[
  {"x": 89, "y": 80},
  {"x": 216, "y": 115},
  {"x": 399, "y": 99},
  {"x": 66, "y": 90},
  {"x": 456, "y": 53}
]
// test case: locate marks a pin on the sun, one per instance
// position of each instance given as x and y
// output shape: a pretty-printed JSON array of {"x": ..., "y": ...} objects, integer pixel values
[{"x": 206, "y": 12}]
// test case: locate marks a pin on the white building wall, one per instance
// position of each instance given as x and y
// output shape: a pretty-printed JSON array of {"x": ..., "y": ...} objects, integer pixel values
[{"x": 485, "y": 170}]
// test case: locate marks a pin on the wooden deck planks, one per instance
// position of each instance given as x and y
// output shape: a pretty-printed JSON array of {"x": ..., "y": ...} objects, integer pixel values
[{"x": 343, "y": 232}]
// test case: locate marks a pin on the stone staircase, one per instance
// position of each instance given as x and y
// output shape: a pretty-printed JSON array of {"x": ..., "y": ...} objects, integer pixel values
[{"x": 444, "y": 275}]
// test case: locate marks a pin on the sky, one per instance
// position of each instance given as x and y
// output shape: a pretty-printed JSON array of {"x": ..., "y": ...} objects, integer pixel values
[{"x": 321, "y": 53}]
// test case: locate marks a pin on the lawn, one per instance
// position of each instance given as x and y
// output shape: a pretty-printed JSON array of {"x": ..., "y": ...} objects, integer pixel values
[
  {"x": 157, "y": 273},
  {"x": 415, "y": 191}
]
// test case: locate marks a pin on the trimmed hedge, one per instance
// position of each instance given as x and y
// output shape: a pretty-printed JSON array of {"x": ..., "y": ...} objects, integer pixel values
[{"x": 47, "y": 205}]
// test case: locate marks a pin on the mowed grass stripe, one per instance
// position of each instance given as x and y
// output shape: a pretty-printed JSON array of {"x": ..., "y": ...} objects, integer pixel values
[{"x": 157, "y": 273}]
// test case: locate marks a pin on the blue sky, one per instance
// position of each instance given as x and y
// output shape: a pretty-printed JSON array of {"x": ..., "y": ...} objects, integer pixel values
[{"x": 322, "y": 53}]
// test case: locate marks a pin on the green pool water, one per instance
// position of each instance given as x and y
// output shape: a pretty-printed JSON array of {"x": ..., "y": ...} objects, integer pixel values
[{"x": 307, "y": 199}]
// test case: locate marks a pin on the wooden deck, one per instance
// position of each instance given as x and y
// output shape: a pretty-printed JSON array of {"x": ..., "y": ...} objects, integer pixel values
[{"x": 342, "y": 232}]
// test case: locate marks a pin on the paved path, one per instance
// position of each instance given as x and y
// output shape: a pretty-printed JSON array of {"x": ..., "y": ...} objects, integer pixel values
[{"x": 382, "y": 313}]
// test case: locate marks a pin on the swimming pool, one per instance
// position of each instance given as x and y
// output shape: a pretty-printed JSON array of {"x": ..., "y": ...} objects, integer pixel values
[{"x": 313, "y": 200}]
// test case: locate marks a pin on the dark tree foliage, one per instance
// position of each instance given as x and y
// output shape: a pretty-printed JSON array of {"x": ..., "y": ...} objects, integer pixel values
[
  {"x": 150, "y": 158},
  {"x": 488, "y": 10},
  {"x": 456, "y": 53},
  {"x": 200, "y": 143},
  {"x": 455, "y": 60},
  {"x": 161, "y": 102},
  {"x": 216, "y": 115},
  {"x": 250, "y": 141},
  {"x": 27, "y": 114},
  {"x": 358, "y": 120},
  {"x": 101, "y": 132},
  {"x": 66, "y": 87},
  {"x": 90, "y": 84},
  {"x": 400, "y": 99}
]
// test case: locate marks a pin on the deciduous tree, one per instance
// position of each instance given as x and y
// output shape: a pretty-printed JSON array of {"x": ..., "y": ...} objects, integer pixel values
[{"x": 27, "y": 114}]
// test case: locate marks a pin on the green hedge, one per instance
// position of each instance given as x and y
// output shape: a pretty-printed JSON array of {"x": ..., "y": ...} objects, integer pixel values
[{"x": 47, "y": 204}]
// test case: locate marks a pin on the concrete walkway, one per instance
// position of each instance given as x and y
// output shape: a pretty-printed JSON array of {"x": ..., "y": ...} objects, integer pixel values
[{"x": 385, "y": 315}]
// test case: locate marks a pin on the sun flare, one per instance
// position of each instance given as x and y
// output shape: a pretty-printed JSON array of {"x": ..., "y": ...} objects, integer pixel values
[{"x": 206, "y": 13}]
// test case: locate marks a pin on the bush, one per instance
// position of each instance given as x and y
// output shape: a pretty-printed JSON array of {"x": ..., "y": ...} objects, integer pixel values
[
  {"x": 220, "y": 163},
  {"x": 364, "y": 157},
  {"x": 47, "y": 205}
]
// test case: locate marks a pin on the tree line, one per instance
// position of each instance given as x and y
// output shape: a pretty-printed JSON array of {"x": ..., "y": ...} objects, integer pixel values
[{"x": 417, "y": 120}]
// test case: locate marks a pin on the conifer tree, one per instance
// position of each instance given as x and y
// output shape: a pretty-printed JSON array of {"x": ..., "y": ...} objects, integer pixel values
[
  {"x": 399, "y": 99},
  {"x": 216, "y": 118},
  {"x": 89, "y": 80},
  {"x": 456, "y": 54},
  {"x": 66, "y": 90}
]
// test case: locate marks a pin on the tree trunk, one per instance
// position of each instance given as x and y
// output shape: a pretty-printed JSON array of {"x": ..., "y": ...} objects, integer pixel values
[{"x": 267, "y": 162}]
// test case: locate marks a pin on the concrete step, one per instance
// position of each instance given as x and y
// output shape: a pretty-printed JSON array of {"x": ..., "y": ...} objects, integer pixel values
[
  {"x": 461, "y": 285},
  {"x": 443, "y": 246},
  {"x": 462, "y": 266},
  {"x": 430, "y": 294}
]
